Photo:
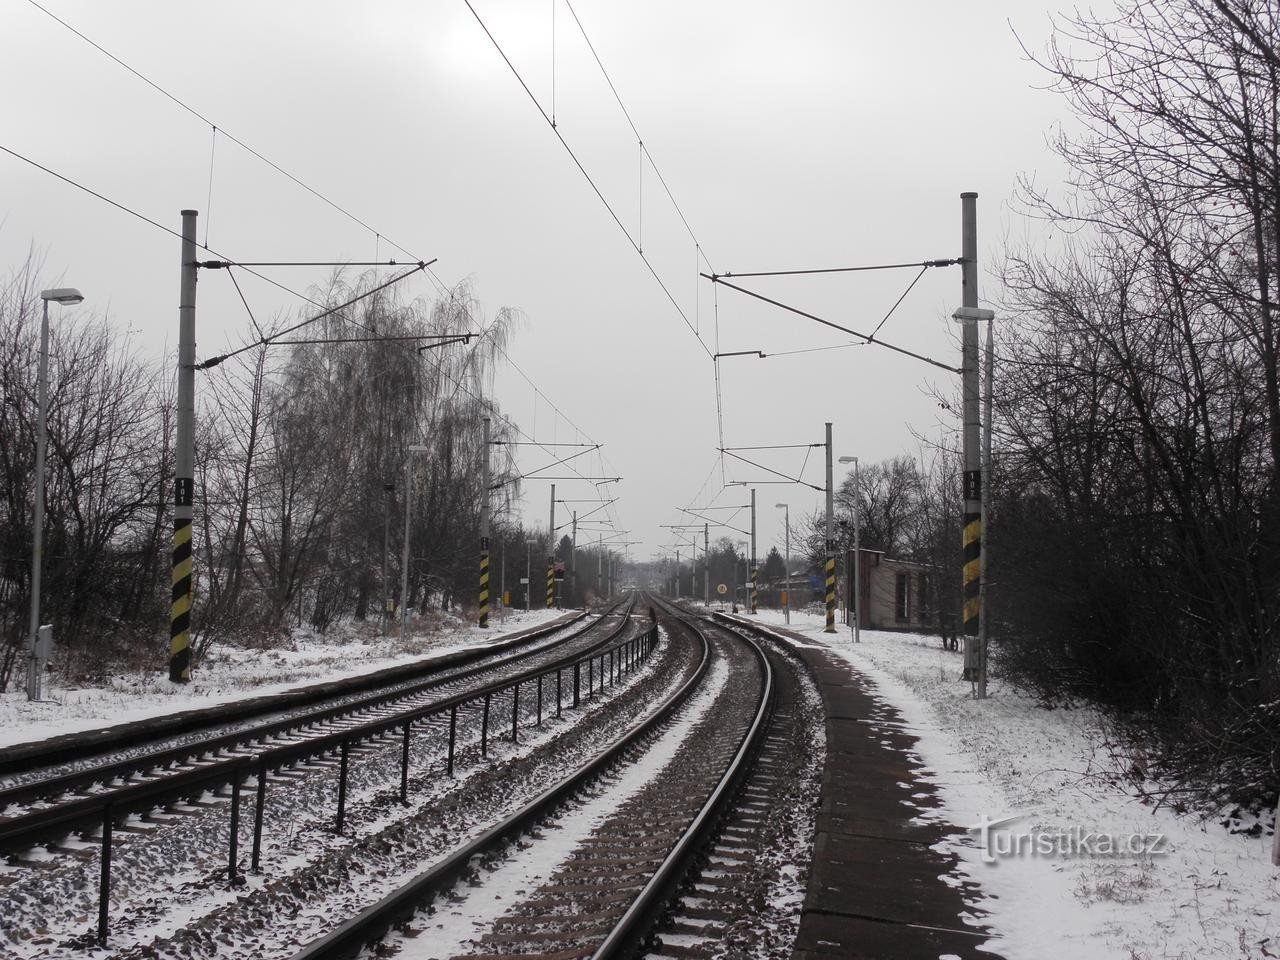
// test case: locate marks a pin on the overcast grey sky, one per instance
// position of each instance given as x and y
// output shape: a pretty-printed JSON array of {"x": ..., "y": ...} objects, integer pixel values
[{"x": 792, "y": 135}]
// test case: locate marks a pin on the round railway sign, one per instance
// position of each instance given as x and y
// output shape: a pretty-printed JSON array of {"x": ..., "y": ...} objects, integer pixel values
[{"x": 721, "y": 589}]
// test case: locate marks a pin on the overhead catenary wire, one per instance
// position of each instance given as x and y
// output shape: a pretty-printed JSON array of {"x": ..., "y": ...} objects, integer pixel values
[
  {"x": 776, "y": 446},
  {"x": 776, "y": 473},
  {"x": 379, "y": 235},
  {"x": 264, "y": 341},
  {"x": 834, "y": 326},
  {"x": 205, "y": 120},
  {"x": 590, "y": 180},
  {"x": 924, "y": 264},
  {"x": 208, "y": 203},
  {"x": 125, "y": 208}
]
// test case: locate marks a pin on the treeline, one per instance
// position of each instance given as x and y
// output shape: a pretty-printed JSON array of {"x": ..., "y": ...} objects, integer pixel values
[
  {"x": 1136, "y": 522},
  {"x": 107, "y": 528},
  {"x": 303, "y": 465}
]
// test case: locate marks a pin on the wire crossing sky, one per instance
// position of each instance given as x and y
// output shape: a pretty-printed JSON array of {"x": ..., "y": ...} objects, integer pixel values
[{"x": 326, "y": 133}]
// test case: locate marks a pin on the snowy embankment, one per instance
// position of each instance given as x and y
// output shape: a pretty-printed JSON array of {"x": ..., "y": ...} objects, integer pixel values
[
  {"x": 230, "y": 672},
  {"x": 1203, "y": 891}
]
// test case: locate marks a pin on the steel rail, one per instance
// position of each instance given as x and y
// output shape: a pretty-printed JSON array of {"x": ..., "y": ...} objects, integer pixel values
[
  {"x": 373, "y": 922},
  {"x": 121, "y": 769},
  {"x": 629, "y": 932},
  {"x": 26, "y": 830},
  {"x": 20, "y": 758}
]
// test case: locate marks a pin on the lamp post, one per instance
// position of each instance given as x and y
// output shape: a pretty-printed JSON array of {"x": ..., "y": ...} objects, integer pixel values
[
  {"x": 404, "y": 558},
  {"x": 786, "y": 574},
  {"x": 857, "y": 552},
  {"x": 528, "y": 571},
  {"x": 66, "y": 296},
  {"x": 387, "y": 490}
]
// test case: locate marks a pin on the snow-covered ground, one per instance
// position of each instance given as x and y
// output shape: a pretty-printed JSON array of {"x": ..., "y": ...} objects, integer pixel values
[
  {"x": 231, "y": 672},
  {"x": 1204, "y": 893}
]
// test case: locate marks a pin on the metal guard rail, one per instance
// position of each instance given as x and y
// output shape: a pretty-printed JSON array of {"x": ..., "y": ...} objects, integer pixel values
[{"x": 376, "y": 920}]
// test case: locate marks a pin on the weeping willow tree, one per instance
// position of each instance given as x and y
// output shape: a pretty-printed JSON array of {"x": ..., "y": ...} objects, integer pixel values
[{"x": 306, "y": 453}]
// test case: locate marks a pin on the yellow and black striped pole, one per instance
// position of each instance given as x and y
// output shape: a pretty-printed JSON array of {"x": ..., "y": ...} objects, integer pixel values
[
  {"x": 831, "y": 592},
  {"x": 972, "y": 570},
  {"x": 830, "y": 570},
  {"x": 184, "y": 460},
  {"x": 551, "y": 582},
  {"x": 484, "y": 526},
  {"x": 180, "y": 609},
  {"x": 968, "y": 316},
  {"x": 484, "y": 585},
  {"x": 755, "y": 575}
]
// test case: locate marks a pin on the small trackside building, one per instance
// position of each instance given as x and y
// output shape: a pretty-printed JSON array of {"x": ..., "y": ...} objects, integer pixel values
[{"x": 895, "y": 594}]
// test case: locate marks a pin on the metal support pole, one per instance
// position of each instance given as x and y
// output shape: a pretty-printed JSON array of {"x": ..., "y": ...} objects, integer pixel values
[
  {"x": 786, "y": 592},
  {"x": 831, "y": 545},
  {"x": 515, "y": 713},
  {"x": 453, "y": 736},
  {"x": 484, "y": 727},
  {"x": 385, "y": 616},
  {"x": 755, "y": 574},
  {"x": 972, "y": 519},
  {"x": 259, "y": 808},
  {"x": 37, "y": 525},
  {"x": 233, "y": 853},
  {"x": 857, "y": 558},
  {"x": 706, "y": 564},
  {"x": 551, "y": 552},
  {"x": 539, "y": 700},
  {"x": 404, "y": 555},
  {"x": 577, "y": 683},
  {"x": 573, "y": 563},
  {"x": 559, "y": 697},
  {"x": 984, "y": 621},
  {"x": 104, "y": 876},
  {"x": 484, "y": 529},
  {"x": 184, "y": 460},
  {"x": 404, "y": 766},
  {"x": 342, "y": 788}
]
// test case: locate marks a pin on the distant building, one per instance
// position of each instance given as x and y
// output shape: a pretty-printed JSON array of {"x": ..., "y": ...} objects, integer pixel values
[{"x": 895, "y": 594}]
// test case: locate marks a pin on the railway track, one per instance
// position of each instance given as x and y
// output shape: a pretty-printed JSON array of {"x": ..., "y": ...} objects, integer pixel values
[
  {"x": 23, "y": 762},
  {"x": 658, "y": 805},
  {"x": 624, "y": 830},
  {"x": 745, "y": 896},
  {"x": 129, "y": 795},
  {"x": 41, "y": 790}
]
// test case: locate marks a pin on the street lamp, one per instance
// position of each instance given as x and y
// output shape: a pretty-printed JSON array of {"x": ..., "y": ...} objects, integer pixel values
[
  {"x": 786, "y": 579},
  {"x": 528, "y": 570},
  {"x": 65, "y": 296},
  {"x": 857, "y": 553},
  {"x": 404, "y": 560}
]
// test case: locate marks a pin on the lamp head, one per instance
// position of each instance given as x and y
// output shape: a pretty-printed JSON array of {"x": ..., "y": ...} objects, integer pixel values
[
  {"x": 848, "y": 459},
  {"x": 781, "y": 505},
  {"x": 63, "y": 295}
]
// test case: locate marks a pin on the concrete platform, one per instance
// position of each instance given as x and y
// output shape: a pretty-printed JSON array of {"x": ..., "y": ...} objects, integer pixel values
[{"x": 875, "y": 885}]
